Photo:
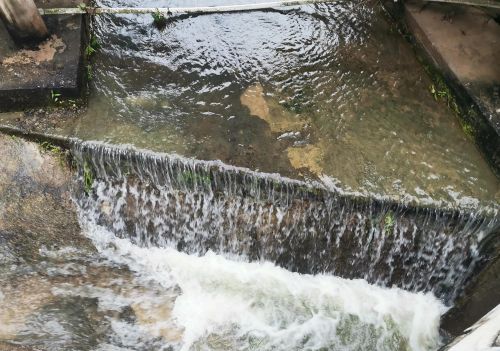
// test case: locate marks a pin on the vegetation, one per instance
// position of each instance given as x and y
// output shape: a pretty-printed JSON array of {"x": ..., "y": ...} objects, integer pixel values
[
  {"x": 56, "y": 97},
  {"x": 92, "y": 46},
  {"x": 49, "y": 147},
  {"x": 191, "y": 177},
  {"x": 82, "y": 6},
  {"x": 55, "y": 150},
  {"x": 88, "y": 72},
  {"x": 88, "y": 178},
  {"x": 159, "y": 19},
  {"x": 389, "y": 222}
]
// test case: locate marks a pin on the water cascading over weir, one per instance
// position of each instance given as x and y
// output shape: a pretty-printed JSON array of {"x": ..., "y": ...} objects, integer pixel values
[{"x": 195, "y": 206}]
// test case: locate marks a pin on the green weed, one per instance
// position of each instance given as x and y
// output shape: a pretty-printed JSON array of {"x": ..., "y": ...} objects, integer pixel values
[
  {"x": 190, "y": 177},
  {"x": 88, "y": 178},
  {"x": 92, "y": 46},
  {"x": 89, "y": 73},
  {"x": 389, "y": 222},
  {"x": 159, "y": 19},
  {"x": 49, "y": 147},
  {"x": 56, "y": 97},
  {"x": 82, "y": 6}
]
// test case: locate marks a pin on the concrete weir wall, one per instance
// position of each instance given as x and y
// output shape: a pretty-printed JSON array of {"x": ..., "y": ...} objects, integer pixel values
[{"x": 36, "y": 209}]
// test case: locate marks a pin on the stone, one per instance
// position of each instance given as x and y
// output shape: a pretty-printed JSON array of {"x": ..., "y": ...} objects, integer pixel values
[{"x": 464, "y": 43}]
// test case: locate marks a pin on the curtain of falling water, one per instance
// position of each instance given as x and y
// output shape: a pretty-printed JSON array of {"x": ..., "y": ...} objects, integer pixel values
[{"x": 195, "y": 206}]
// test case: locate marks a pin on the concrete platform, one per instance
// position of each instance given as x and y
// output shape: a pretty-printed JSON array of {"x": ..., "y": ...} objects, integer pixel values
[
  {"x": 464, "y": 43},
  {"x": 30, "y": 74}
]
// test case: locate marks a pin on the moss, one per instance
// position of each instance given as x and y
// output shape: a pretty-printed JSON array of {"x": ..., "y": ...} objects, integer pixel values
[
  {"x": 440, "y": 90},
  {"x": 159, "y": 19},
  {"x": 193, "y": 178}
]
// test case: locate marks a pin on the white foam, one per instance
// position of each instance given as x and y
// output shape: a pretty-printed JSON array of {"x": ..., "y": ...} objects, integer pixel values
[{"x": 260, "y": 306}]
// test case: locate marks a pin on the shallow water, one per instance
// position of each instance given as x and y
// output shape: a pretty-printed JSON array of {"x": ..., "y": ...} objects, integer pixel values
[
  {"x": 326, "y": 91},
  {"x": 330, "y": 91}
]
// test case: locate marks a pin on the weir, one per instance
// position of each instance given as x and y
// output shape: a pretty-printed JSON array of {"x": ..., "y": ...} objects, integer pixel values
[
  {"x": 274, "y": 180},
  {"x": 161, "y": 200}
]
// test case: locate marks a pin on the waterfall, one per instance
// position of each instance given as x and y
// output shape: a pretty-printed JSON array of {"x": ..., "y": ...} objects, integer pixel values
[{"x": 160, "y": 200}]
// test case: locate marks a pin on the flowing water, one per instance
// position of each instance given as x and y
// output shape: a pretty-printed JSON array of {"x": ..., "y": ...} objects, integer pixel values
[
  {"x": 131, "y": 298},
  {"x": 326, "y": 91},
  {"x": 314, "y": 254},
  {"x": 195, "y": 206},
  {"x": 330, "y": 91}
]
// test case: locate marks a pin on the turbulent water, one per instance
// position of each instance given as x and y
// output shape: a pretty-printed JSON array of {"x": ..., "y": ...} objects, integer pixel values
[
  {"x": 224, "y": 304},
  {"x": 157, "y": 200}
]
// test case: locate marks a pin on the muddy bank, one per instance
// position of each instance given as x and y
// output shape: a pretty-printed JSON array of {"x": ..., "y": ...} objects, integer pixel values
[{"x": 36, "y": 209}]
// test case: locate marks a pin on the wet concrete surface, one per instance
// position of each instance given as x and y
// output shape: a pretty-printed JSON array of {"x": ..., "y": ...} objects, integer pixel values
[
  {"x": 31, "y": 72},
  {"x": 36, "y": 209},
  {"x": 464, "y": 43},
  {"x": 481, "y": 297}
]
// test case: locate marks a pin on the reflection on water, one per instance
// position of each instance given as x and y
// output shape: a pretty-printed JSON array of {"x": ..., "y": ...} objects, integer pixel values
[{"x": 325, "y": 90}]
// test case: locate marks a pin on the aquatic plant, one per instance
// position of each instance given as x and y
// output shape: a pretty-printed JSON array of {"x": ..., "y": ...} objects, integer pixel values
[
  {"x": 49, "y": 147},
  {"x": 159, "y": 19},
  {"x": 467, "y": 129},
  {"x": 92, "y": 46},
  {"x": 82, "y": 6},
  {"x": 88, "y": 178},
  {"x": 55, "y": 96},
  {"x": 88, "y": 72},
  {"x": 55, "y": 150},
  {"x": 389, "y": 223},
  {"x": 191, "y": 177}
]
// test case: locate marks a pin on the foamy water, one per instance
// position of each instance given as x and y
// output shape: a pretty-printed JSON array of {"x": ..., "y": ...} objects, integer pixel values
[{"x": 229, "y": 304}]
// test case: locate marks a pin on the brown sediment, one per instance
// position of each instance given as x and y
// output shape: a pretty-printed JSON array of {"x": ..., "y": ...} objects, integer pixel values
[
  {"x": 279, "y": 119},
  {"x": 44, "y": 52},
  {"x": 308, "y": 156}
]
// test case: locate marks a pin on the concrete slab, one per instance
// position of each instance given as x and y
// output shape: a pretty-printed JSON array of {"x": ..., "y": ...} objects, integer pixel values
[
  {"x": 30, "y": 74},
  {"x": 464, "y": 42}
]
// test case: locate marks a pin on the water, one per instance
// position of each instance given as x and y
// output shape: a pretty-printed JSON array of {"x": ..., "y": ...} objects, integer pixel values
[
  {"x": 325, "y": 91},
  {"x": 330, "y": 112},
  {"x": 130, "y": 298},
  {"x": 157, "y": 200},
  {"x": 329, "y": 92}
]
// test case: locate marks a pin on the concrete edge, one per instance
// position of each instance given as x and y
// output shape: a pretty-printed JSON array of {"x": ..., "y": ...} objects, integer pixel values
[{"x": 471, "y": 113}]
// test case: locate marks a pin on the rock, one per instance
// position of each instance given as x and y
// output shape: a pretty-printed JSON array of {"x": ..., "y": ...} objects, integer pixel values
[{"x": 36, "y": 209}]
